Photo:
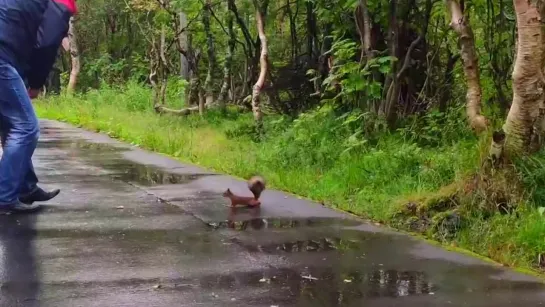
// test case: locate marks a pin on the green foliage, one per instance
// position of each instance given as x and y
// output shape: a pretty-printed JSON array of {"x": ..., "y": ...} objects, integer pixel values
[
  {"x": 111, "y": 72},
  {"x": 435, "y": 128},
  {"x": 531, "y": 171},
  {"x": 356, "y": 80}
]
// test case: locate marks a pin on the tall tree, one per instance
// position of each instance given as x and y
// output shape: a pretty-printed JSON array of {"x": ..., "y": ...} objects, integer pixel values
[
  {"x": 207, "y": 12},
  {"x": 74, "y": 54},
  {"x": 263, "y": 62},
  {"x": 525, "y": 117},
  {"x": 461, "y": 26}
]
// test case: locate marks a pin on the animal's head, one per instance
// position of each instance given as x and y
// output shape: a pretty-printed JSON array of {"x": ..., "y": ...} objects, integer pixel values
[{"x": 227, "y": 193}]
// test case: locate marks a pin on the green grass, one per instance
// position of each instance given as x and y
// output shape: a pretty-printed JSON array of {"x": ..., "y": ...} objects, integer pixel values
[{"x": 316, "y": 157}]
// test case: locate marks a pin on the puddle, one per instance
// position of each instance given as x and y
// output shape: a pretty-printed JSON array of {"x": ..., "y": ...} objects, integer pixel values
[
  {"x": 315, "y": 241},
  {"x": 258, "y": 223},
  {"x": 281, "y": 236},
  {"x": 78, "y": 144},
  {"x": 341, "y": 282},
  {"x": 100, "y": 154},
  {"x": 148, "y": 175},
  {"x": 193, "y": 238},
  {"x": 323, "y": 286},
  {"x": 297, "y": 246}
]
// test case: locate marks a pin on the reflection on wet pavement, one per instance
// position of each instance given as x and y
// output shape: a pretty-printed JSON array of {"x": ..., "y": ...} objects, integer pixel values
[
  {"x": 325, "y": 285},
  {"x": 111, "y": 238},
  {"x": 108, "y": 158}
]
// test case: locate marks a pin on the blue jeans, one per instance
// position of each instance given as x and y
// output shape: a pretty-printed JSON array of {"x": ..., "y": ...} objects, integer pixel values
[
  {"x": 30, "y": 183},
  {"x": 21, "y": 128}
]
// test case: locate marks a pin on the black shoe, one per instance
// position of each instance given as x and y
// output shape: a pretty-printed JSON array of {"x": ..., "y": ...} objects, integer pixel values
[{"x": 39, "y": 195}]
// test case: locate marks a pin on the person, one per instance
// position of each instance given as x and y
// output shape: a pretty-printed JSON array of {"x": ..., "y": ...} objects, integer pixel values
[{"x": 31, "y": 32}]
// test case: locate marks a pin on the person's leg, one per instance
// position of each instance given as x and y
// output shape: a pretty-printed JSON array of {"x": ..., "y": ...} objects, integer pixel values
[
  {"x": 29, "y": 191},
  {"x": 17, "y": 115},
  {"x": 30, "y": 182}
]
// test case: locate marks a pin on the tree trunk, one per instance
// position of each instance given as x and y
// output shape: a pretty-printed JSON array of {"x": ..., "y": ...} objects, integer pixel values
[
  {"x": 367, "y": 29},
  {"x": 393, "y": 52},
  {"x": 447, "y": 85},
  {"x": 250, "y": 46},
  {"x": 153, "y": 76},
  {"x": 256, "y": 107},
  {"x": 210, "y": 52},
  {"x": 193, "y": 58},
  {"x": 528, "y": 82},
  {"x": 74, "y": 54},
  {"x": 228, "y": 61},
  {"x": 393, "y": 87},
  {"x": 193, "y": 95},
  {"x": 245, "y": 89},
  {"x": 184, "y": 66},
  {"x": 470, "y": 63},
  {"x": 395, "y": 81},
  {"x": 324, "y": 58},
  {"x": 312, "y": 36},
  {"x": 201, "y": 101},
  {"x": 163, "y": 66},
  {"x": 194, "y": 85},
  {"x": 293, "y": 30},
  {"x": 363, "y": 23},
  {"x": 53, "y": 82},
  {"x": 242, "y": 25}
]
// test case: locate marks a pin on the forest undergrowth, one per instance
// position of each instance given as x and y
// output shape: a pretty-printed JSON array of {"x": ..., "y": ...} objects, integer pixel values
[{"x": 427, "y": 178}]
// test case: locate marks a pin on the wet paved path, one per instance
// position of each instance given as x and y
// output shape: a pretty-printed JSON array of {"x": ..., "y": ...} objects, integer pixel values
[{"x": 131, "y": 228}]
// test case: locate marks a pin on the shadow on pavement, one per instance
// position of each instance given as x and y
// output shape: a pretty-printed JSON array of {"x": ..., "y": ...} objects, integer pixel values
[{"x": 18, "y": 266}]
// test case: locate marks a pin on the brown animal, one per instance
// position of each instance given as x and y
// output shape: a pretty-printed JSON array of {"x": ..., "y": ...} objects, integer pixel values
[{"x": 256, "y": 185}]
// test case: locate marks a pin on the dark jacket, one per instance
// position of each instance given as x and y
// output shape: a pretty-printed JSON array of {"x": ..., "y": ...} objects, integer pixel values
[
  {"x": 53, "y": 29},
  {"x": 19, "y": 23},
  {"x": 31, "y": 32}
]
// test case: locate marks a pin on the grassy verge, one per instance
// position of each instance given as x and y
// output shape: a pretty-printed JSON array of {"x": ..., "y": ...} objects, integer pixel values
[{"x": 318, "y": 157}]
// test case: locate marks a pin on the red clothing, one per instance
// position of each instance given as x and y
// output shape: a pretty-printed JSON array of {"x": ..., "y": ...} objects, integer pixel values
[{"x": 70, "y": 4}]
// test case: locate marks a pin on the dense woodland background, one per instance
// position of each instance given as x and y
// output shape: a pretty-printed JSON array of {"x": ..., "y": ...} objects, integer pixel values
[
  {"x": 349, "y": 52},
  {"x": 393, "y": 111}
]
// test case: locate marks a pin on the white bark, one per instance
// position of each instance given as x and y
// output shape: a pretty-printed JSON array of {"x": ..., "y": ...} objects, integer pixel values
[{"x": 74, "y": 54}]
